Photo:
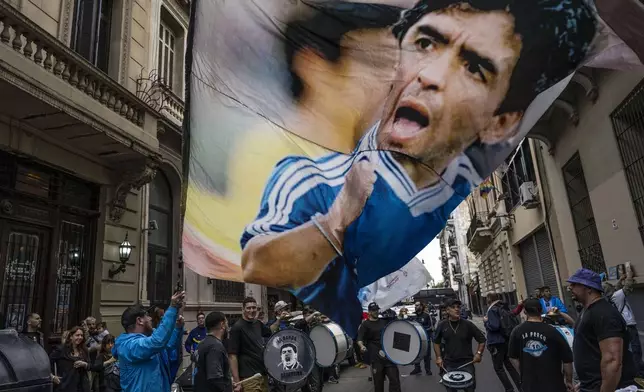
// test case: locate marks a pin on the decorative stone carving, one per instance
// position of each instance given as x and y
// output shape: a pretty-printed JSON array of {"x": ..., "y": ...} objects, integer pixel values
[
  {"x": 588, "y": 84},
  {"x": 125, "y": 41},
  {"x": 6, "y": 207},
  {"x": 65, "y": 27},
  {"x": 132, "y": 180}
]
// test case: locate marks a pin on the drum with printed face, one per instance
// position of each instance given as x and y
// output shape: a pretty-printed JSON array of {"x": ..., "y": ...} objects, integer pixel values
[
  {"x": 458, "y": 380},
  {"x": 405, "y": 342},
  {"x": 289, "y": 356},
  {"x": 567, "y": 333},
  {"x": 331, "y": 344}
]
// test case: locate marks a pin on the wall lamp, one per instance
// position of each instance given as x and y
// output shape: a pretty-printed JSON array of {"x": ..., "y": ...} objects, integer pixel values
[{"x": 125, "y": 250}]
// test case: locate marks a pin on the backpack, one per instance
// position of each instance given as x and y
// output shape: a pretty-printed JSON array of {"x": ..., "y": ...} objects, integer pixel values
[{"x": 508, "y": 321}]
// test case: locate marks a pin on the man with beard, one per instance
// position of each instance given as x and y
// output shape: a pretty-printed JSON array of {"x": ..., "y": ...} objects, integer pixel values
[
  {"x": 143, "y": 352},
  {"x": 453, "y": 343},
  {"x": 601, "y": 347},
  {"x": 213, "y": 366},
  {"x": 467, "y": 71},
  {"x": 370, "y": 341}
]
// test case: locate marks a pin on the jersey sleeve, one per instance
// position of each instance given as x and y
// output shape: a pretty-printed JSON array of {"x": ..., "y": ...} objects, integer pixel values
[
  {"x": 293, "y": 193},
  {"x": 564, "y": 348}
]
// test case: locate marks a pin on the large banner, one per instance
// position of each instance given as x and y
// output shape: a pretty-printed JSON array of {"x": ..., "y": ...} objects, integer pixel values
[{"x": 330, "y": 140}]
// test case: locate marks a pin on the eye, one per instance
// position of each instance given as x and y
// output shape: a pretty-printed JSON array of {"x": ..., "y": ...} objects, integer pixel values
[
  {"x": 476, "y": 69},
  {"x": 424, "y": 43}
]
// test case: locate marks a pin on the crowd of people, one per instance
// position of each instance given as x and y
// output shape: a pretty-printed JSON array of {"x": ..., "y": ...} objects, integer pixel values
[{"x": 600, "y": 352}]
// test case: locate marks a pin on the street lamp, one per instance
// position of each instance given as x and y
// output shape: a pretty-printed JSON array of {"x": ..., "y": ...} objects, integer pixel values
[{"x": 125, "y": 250}]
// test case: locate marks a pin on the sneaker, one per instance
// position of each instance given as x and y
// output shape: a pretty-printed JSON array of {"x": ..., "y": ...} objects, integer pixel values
[
  {"x": 361, "y": 366},
  {"x": 415, "y": 372},
  {"x": 429, "y": 372},
  {"x": 333, "y": 380}
]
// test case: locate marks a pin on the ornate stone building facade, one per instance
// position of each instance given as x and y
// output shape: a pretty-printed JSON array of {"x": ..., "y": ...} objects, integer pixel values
[{"x": 90, "y": 155}]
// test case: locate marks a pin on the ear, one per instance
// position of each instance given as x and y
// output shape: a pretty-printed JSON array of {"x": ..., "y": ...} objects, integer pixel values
[
  {"x": 308, "y": 63},
  {"x": 501, "y": 128}
]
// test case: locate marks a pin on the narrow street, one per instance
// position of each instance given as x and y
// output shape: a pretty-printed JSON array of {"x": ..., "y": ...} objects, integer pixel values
[{"x": 357, "y": 380}]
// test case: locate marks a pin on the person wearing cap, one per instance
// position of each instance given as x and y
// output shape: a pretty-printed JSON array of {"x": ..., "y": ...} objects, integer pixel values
[
  {"x": 144, "y": 352},
  {"x": 455, "y": 335},
  {"x": 601, "y": 347},
  {"x": 539, "y": 352},
  {"x": 370, "y": 341}
]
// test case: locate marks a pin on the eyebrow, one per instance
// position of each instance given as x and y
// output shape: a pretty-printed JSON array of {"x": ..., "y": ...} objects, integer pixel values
[
  {"x": 468, "y": 54},
  {"x": 485, "y": 62},
  {"x": 432, "y": 32}
]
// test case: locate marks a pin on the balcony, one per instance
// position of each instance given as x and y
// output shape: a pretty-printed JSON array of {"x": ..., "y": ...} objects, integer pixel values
[
  {"x": 479, "y": 234},
  {"x": 153, "y": 90},
  {"x": 451, "y": 242},
  {"x": 48, "y": 89},
  {"x": 457, "y": 273}
]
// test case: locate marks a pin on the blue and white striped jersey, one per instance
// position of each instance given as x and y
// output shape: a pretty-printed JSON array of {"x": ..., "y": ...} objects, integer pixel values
[{"x": 397, "y": 222}]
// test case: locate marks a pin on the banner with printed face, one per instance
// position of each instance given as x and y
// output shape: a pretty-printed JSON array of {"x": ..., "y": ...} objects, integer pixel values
[{"x": 329, "y": 140}]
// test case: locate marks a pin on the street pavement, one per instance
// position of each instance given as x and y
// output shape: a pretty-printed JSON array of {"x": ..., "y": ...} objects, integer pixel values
[{"x": 357, "y": 380}]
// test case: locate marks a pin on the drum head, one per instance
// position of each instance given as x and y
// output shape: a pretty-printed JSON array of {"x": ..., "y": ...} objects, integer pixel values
[
  {"x": 401, "y": 342},
  {"x": 329, "y": 340},
  {"x": 457, "y": 379},
  {"x": 289, "y": 356}
]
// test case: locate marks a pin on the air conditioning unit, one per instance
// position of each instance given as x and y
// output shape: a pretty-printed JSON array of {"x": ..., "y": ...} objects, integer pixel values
[{"x": 528, "y": 195}]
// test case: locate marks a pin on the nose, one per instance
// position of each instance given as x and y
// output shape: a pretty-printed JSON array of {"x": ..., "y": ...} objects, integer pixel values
[{"x": 433, "y": 74}]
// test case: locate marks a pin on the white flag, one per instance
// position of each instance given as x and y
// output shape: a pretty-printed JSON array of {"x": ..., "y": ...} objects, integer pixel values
[{"x": 403, "y": 283}]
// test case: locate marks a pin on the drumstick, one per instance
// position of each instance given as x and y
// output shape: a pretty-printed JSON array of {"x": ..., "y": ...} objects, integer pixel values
[
  {"x": 255, "y": 377},
  {"x": 461, "y": 367}
]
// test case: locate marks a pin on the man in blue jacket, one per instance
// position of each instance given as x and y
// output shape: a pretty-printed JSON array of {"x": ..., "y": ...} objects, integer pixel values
[
  {"x": 549, "y": 301},
  {"x": 145, "y": 354},
  {"x": 497, "y": 342}
]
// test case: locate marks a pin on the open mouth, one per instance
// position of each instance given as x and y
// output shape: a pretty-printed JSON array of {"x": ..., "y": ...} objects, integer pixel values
[{"x": 409, "y": 120}]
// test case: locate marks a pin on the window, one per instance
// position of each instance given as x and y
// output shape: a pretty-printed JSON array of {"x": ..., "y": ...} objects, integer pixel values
[
  {"x": 628, "y": 125},
  {"x": 590, "y": 249},
  {"x": 167, "y": 50},
  {"x": 91, "y": 31},
  {"x": 520, "y": 170},
  {"x": 228, "y": 291},
  {"x": 160, "y": 241}
]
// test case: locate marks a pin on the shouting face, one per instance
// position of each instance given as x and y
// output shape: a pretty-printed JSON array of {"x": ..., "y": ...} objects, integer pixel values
[
  {"x": 454, "y": 72},
  {"x": 289, "y": 355}
]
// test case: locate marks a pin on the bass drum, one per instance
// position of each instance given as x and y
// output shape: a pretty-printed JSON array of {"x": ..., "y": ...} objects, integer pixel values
[
  {"x": 289, "y": 357},
  {"x": 567, "y": 333},
  {"x": 405, "y": 342},
  {"x": 331, "y": 344}
]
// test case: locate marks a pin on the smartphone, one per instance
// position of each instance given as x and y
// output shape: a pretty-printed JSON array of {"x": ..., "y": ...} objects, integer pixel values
[{"x": 179, "y": 287}]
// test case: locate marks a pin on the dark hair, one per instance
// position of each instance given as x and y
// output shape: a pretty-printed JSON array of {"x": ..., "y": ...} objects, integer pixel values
[
  {"x": 291, "y": 345},
  {"x": 324, "y": 30},
  {"x": 107, "y": 339},
  {"x": 555, "y": 35},
  {"x": 130, "y": 314},
  {"x": 532, "y": 307},
  {"x": 69, "y": 346},
  {"x": 248, "y": 300},
  {"x": 200, "y": 313},
  {"x": 214, "y": 320},
  {"x": 545, "y": 288},
  {"x": 493, "y": 297}
]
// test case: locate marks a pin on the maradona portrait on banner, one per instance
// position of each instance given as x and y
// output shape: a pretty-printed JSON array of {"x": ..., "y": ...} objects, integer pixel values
[{"x": 466, "y": 73}]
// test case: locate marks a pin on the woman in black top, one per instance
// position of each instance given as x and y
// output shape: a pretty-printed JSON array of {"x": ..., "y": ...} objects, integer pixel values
[
  {"x": 70, "y": 363},
  {"x": 108, "y": 375}
]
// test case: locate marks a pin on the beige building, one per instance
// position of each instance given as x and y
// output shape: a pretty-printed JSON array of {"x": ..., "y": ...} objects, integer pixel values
[
  {"x": 571, "y": 194},
  {"x": 592, "y": 161},
  {"x": 91, "y": 155}
]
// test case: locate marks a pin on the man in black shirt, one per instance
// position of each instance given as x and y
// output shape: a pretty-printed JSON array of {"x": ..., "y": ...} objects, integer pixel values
[
  {"x": 456, "y": 335},
  {"x": 213, "y": 368},
  {"x": 246, "y": 348},
  {"x": 425, "y": 319},
  {"x": 369, "y": 340},
  {"x": 538, "y": 350},
  {"x": 602, "y": 358}
]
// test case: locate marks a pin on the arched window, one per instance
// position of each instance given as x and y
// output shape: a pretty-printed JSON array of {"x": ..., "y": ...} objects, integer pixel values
[{"x": 160, "y": 241}]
